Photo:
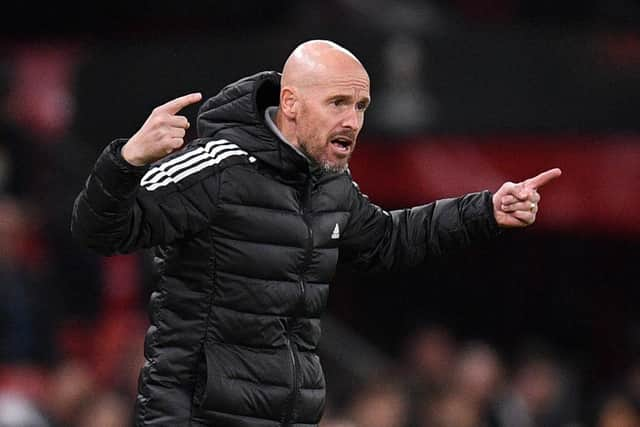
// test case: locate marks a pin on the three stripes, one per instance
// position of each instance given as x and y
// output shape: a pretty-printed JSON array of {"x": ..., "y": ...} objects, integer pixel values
[{"x": 189, "y": 163}]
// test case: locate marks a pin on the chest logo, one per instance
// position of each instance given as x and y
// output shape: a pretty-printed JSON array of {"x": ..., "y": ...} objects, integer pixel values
[{"x": 336, "y": 232}]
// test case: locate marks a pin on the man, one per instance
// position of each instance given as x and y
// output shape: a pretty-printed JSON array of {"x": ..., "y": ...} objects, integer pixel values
[{"x": 249, "y": 222}]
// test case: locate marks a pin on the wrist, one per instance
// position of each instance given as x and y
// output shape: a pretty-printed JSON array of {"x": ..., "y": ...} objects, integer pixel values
[{"x": 130, "y": 157}]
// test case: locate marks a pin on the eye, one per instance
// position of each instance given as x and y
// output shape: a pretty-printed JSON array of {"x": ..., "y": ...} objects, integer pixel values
[
  {"x": 361, "y": 106},
  {"x": 338, "y": 102}
]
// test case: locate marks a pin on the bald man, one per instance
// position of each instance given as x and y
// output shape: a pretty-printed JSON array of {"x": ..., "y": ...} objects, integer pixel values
[{"x": 248, "y": 223}]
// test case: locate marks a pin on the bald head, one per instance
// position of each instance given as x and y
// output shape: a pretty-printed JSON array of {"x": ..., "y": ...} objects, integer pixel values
[
  {"x": 323, "y": 96},
  {"x": 316, "y": 61}
]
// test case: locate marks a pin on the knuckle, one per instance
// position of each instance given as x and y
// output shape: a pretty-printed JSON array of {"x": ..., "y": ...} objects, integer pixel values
[
  {"x": 155, "y": 121},
  {"x": 161, "y": 117},
  {"x": 159, "y": 134}
]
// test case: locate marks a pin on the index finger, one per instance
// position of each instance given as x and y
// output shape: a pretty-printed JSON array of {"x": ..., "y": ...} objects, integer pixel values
[
  {"x": 175, "y": 105},
  {"x": 543, "y": 178}
]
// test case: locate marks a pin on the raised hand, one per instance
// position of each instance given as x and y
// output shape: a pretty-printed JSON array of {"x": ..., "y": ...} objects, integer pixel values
[
  {"x": 516, "y": 204},
  {"x": 161, "y": 134}
]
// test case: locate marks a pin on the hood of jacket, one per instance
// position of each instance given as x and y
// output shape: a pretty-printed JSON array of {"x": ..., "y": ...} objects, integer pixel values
[{"x": 237, "y": 113}]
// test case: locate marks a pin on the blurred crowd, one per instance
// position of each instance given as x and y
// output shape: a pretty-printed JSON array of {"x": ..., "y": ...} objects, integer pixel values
[
  {"x": 440, "y": 381},
  {"x": 72, "y": 324}
]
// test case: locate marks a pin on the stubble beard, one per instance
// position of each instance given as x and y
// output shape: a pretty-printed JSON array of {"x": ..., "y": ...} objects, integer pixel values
[
  {"x": 324, "y": 164},
  {"x": 315, "y": 150}
]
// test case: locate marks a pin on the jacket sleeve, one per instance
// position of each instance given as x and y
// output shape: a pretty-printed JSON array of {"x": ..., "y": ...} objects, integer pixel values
[
  {"x": 114, "y": 213},
  {"x": 376, "y": 239}
]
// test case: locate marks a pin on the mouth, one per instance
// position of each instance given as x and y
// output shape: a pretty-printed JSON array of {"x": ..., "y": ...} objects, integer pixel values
[{"x": 342, "y": 144}]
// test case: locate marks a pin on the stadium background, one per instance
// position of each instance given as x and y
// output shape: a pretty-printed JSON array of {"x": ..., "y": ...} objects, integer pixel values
[{"x": 465, "y": 95}]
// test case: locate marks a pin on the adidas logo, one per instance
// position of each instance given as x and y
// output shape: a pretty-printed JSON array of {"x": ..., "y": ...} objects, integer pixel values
[{"x": 336, "y": 232}]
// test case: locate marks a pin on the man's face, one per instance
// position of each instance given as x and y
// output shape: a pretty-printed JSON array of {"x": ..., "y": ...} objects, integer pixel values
[{"x": 330, "y": 118}]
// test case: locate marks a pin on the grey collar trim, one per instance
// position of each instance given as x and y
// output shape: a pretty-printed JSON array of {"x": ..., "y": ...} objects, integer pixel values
[{"x": 270, "y": 119}]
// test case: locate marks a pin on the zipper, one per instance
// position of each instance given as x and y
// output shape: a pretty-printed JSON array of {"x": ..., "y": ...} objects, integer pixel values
[
  {"x": 302, "y": 283},
  {"x": 305, "y": 208},
  {"x": 306, "y": 205},
  {"x": 307, "y": 259},
  {"x": 289, "y": 411}
]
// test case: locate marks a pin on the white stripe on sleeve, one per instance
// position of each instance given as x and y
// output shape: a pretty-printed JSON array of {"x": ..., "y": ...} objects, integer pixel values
[{"x": 193, "y": 165}]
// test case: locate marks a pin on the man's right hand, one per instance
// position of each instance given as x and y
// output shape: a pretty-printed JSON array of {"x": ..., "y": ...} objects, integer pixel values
[{"x": 161, "y": 134}]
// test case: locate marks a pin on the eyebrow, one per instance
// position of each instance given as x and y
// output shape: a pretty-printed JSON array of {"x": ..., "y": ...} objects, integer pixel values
[{"x": 349, "y": 96}]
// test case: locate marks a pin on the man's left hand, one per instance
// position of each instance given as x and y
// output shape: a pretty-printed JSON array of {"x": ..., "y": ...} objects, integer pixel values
[{"x": 516, "y": 204}]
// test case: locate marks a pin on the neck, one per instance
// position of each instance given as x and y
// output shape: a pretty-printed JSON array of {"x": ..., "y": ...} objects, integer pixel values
[{"x": 286, "y": 127}]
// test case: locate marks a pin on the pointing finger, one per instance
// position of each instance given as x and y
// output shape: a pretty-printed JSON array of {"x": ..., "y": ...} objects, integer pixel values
[
  {"x": 543, "y": 178},
  {"x": 177, "y": 104}
]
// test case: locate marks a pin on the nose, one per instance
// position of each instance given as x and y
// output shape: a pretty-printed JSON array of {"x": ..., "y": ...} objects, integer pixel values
[{"x": 351, "y": 120}]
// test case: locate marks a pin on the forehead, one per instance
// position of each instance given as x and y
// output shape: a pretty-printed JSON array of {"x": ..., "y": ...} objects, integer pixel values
[{"x": 355, "y": 84}]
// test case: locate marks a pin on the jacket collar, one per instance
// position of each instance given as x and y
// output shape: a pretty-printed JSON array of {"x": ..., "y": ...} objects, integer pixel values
[{"x": 237, "y": 113}]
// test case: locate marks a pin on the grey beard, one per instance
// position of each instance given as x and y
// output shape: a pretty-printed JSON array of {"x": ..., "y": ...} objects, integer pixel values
[
  {"x": 323, "y": 165},
  {"x": 329, "y": 168}
]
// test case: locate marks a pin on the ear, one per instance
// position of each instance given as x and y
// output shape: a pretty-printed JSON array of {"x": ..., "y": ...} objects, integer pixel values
[{"x": 289, "y": 102}]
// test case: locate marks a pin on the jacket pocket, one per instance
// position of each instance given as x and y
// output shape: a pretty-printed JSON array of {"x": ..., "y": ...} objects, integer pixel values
[
  {"x": 244, "y": 380},
  {"x": 214, "y": 388}
]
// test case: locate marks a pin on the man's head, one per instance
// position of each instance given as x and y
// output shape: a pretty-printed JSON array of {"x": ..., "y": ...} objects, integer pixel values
[{"x": 324, "y": 94}]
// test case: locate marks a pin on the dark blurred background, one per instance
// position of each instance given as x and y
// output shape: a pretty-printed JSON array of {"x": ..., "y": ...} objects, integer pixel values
[{"x": 538, "y": 328}]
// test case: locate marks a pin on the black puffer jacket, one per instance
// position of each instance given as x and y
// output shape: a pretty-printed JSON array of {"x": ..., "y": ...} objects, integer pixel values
[{"x": 247, "y": 238}]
